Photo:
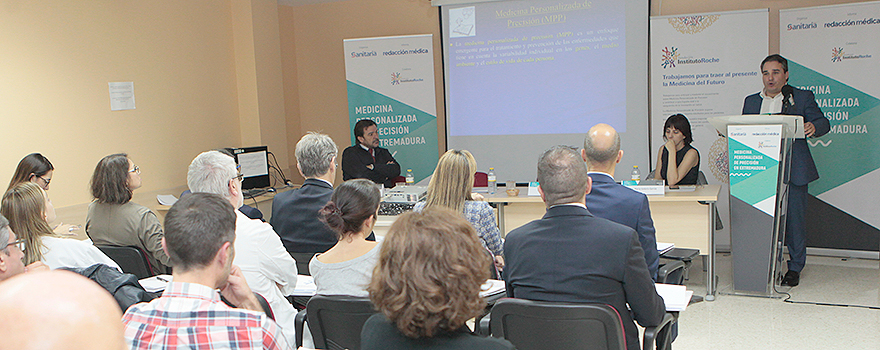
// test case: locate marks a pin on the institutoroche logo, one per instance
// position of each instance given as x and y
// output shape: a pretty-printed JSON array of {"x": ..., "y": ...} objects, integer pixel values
[
  {"x": 395, "y": 78},
  {"x": 836, "y": 54},
  {"x": 670, "y": 55}
]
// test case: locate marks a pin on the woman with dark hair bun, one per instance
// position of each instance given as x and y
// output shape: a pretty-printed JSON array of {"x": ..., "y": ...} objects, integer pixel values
[
  {"x": 677, "y": 162},
  {"x": 113, "y": 219},
  {"x": 427, "y": 285},
  {"x": 346, "y": 268}
]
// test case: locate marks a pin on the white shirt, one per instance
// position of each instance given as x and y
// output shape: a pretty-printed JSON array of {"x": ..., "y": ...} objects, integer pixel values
[
  {"x": 771, "y": 105},
  {"x": 69, "y": 252},
  {"x": 267, "y": 267}
]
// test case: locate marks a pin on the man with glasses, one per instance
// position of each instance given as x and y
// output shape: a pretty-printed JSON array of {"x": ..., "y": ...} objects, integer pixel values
[
  {"x": 267, "y": 267},
  {"x": 11, "y": 255}
]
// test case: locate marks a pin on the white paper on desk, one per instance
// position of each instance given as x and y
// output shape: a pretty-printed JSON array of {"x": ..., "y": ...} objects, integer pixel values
[
  {"x": 166, "y": 199},
  {"x": 675, "y": 297},
  {"x": 155, "y": 283},
  {"x": 664, "y": 247},
  {"x": 305, "y": 286},
  {"x": 121, "y": 95},
  {"x": 492, "y": 287}
]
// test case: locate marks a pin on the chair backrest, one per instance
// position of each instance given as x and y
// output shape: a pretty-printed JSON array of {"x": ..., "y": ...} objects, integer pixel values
[
  {"x": 555, "y": 325},
  {"x": 481, "y": 179},
  {"x": 672, "y": 272},
  {"x": 130, "y": 259},
  {"x": 701, "y": 178},
  {"x": 302, "y": 262},
  {"x": 336, "y": 321}
]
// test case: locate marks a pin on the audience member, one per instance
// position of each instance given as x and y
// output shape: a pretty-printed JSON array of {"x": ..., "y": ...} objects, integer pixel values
[
  {"x": 12, "y": 255},
  {"x": 451, "y": 187},
  {"x": 346, "y": 268},
  {"x": 113, "y": 219},
  {"x": 427, "y": 285},
  {"x": 295, "y": 214},
  {"x": 29, "y": 212},
  {"x": 58, "y": 310},
  {"x": 264, "y": 262},
  {"x": 38, "y": 169},
  {"x": 571, "y": 256},
  {"x": 615, "y": 202},
  {"x": 677, "y": 161},
  {"x": 366, "y": 160},
  {"x": 201, "y": 241}
]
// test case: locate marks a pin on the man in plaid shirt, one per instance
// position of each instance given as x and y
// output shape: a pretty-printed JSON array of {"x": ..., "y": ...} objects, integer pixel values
[{"x": 199, "y": 239}]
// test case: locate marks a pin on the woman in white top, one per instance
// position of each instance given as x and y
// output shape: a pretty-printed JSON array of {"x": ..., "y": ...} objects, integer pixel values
[
  {"x": 346, "y": 269},
  {"x": 29, "y": 211}
]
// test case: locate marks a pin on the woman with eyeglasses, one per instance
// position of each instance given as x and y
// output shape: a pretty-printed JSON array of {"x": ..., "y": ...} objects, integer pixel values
[
  {"x": 113, "y": 219},
  {"x": 29, "y": 211},
  {"x": 38, "y": 169}
]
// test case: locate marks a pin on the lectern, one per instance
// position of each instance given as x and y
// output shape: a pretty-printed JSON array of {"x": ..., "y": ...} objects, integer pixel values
[{"x": 758, "y": 155}]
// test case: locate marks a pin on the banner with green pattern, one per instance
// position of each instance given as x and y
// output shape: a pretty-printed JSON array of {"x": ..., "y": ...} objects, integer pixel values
[
  {"x": 754, "y": 164},
  {"x": 391, "y": 81}
]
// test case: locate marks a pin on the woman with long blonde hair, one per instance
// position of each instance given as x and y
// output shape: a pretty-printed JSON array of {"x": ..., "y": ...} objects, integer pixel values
[
  {"x": 451, "y": 187},
  {"x": 29, "y": 211}
]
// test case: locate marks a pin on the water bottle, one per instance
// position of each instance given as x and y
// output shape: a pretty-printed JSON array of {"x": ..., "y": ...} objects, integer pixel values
[
  {"x": 493, "y": 184},
  {"x": 410, "y": 178},
  {"x": 636, "y": 174}
]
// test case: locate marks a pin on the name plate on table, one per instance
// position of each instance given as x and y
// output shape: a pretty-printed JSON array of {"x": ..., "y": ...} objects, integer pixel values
[
  {"x": 648, "y": 187},
  {"x": 533, "y": 189}
]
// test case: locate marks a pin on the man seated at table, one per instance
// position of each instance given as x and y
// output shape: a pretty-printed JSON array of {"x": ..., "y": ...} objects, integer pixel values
[
  {"x": 266, "y": 265},
  {"x": 295, "y": 212},
  {"x": 200, "y": 239},
  {"x": 615, "y": 202},
  {"x": 366, "y": 160},
  {"x": 571, "y": 256}
]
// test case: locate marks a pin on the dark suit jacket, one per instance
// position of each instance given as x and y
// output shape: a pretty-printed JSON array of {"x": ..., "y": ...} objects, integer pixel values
[
  {"x": 609, "y": 200},
  {"x": 803, "y": 169},
  {"x": 295, "y": 218},
  {"x": 355, "y": 160},
  {"x": 571, "y": 256}
]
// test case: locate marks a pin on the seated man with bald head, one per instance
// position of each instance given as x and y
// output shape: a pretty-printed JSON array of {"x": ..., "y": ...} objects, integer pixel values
[
  {"x": 613, "y": 201},
  {"x": 58, "y": 310}
]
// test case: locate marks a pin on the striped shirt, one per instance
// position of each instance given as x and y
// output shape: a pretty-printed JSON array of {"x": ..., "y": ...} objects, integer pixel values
[{"x": 192, "y": 316}]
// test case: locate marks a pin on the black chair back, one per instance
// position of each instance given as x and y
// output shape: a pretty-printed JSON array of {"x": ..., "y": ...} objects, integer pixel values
[
  {"x": 131, "y": 259},
  {"x": 671, "y": 272},
  {"x": 336, "y": 321},
  {"x": 302, "y": 262},
  {"x": 552, "y": 325}
]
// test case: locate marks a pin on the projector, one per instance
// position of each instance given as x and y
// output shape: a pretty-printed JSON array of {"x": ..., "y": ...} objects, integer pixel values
[{"x": 405, "y": 194}]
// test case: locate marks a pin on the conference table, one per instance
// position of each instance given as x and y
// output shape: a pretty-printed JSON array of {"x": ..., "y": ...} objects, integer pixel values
[{"x": 678, "y": 215}]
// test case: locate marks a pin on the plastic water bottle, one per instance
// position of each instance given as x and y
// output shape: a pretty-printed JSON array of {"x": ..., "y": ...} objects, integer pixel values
[
  {"x": 410, "y": 178},
  {"x": 493, "y": 184},
  {"x": 636, "y": 174}
]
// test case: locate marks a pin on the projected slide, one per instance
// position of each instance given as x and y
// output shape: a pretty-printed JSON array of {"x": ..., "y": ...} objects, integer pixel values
[{"x": 535, "y": 67}]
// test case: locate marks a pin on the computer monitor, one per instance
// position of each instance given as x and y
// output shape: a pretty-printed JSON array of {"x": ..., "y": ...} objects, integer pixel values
[{"x": 254, "y": 164}]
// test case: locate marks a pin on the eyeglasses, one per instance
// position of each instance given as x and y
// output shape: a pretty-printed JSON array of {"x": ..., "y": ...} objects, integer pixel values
[
  {"x": 18, "y": 244},
  {"x": 47, "y": 181},
  {"x": 240, "y": 177},
  {"x": 135, "y": 170}
]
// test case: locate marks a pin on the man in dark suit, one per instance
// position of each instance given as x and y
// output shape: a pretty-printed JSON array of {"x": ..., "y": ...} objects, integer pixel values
[
  {"x": 571, "y": 256},
  {"x": 366, "y": 160},
  {"x": 778, "y": 97},
  {"x": 295, "y": 214},
  {"x": 612, "y": 201}
]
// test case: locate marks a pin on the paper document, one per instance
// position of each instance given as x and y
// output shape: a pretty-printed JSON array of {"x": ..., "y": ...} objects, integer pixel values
[
  {"x": 664, "y": 247},
  {"x": 305, "y": 286},
  {"x": 492, "y": 287},
  {"x": 675, "y": 297},
  {"x": 166, "y": 199},
  {"x": 155, "y": 283}
]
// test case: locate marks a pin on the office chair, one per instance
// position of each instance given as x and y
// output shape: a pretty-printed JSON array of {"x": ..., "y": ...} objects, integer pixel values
[
  {"x": 302, "y": 262},
  {"x": 554, "y": 325},
  {"x": 335, "y": 321},
  {"x": 130, "y": 259},
  {"x": 672, "y": 272}
]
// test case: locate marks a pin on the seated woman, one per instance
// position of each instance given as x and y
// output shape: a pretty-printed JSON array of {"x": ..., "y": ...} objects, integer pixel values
[
  {"x": 677, "y": 162},
  {"x": 427, "y": 285},
  {"x": 451, "y": 187},
  {"x": 113, "y": 219},
  {"x": 38, "y": 169},
  {"x": 346, "y": 268},
  {"x": 29, "y": 212}
]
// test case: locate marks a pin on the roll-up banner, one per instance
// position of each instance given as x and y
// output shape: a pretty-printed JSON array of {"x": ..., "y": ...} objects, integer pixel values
[
  {"x": 703, "y": 66},
  {"x": 834, "y": 51},
  {"x": 391, "y": 81}
]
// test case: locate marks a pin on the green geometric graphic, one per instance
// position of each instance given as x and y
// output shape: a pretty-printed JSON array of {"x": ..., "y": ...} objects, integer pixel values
[
  {"x": 850, "y": 154},
  {"x": 752, "y": 186},
  {"x": 411, "y": 153}
]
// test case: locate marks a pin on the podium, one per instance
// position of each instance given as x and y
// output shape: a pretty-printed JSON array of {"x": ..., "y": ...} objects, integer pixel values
[{"x": 759, "y": 163}]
